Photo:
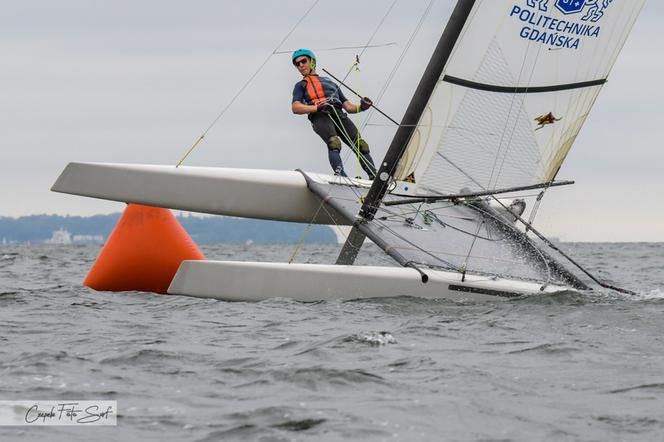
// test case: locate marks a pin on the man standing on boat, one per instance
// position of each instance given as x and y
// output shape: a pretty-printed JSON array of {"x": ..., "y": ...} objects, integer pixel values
[{"x": 324, "y": 103}]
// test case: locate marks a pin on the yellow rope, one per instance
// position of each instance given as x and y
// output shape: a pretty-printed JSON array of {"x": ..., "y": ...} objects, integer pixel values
[
  {"x": 356, "y": 68},
  {"x": 191, "y": 149},
  {"x": 307, "y": 230},
  {"x": 301, "y": 242}
]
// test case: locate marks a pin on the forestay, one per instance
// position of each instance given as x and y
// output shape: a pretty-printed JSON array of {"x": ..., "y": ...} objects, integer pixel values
[{"x": 514, "y": 94}]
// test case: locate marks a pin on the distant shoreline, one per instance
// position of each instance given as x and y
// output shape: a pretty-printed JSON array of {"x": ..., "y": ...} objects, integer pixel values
[{"x": 58, "y": 229}]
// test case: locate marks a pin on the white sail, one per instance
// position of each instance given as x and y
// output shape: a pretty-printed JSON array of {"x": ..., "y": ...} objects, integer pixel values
[{"x": 515, "y": 93}]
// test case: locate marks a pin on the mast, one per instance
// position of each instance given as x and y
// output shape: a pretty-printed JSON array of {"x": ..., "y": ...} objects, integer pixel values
[{"x": 408, "y": 126}]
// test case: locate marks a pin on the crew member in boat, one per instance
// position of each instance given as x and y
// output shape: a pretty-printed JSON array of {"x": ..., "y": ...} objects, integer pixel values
[{"x": 324, "y": 103}]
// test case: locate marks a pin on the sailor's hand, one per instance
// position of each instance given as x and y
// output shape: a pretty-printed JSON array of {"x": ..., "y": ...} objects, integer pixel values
[
  {"x": 365, "y": 104},
  {"x": 323, "y": 106}
]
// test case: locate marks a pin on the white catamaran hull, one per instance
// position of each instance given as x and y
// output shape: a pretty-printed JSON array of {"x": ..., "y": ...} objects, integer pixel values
[
  {"x": 257, "y": 281},
  {"x": 279, "y": 195}
]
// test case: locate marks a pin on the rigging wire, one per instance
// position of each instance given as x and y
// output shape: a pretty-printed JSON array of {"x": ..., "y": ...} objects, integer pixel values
[
  {"x": 544, "y": 259},
  {"x": 343, "y": 48},
  {"x": 247, "y": 83},
  {"x": 464, "y": 265},
  {"x": 400, "y": 59},
  {"x": 475, "y": 235},
  {"x": 416, "y": 247},
  {"x": 380, "y": 25}
]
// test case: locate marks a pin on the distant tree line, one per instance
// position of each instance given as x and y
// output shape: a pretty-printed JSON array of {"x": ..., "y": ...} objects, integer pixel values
[{"x": 203, "y": 230}]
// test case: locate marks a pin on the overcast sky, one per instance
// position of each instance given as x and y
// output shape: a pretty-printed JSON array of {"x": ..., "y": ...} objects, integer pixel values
[{"x": 138, "y": 82}]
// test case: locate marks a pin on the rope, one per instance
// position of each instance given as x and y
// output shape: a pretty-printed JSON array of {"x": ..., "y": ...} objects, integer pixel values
[
  {"x": 303, "y": 238},
  {"x": 350, "y": 141},
  {"x": 247, "y": 83}
]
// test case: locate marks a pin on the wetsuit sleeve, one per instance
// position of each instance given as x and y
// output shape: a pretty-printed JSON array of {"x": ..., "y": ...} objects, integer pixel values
[
  {"x": 341, "y": 96},
  {"x": 298, "y": 92}
]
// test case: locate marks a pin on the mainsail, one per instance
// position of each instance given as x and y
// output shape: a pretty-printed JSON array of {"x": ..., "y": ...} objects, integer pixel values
[
  {"x": 507, "y": 90},
  {"x": 516, "y": 91}
]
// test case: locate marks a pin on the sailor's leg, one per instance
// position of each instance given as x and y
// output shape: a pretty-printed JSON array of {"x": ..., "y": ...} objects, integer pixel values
[
  {"x": 325, "y": 129},
  {"x": 366, "y": 161},
  {"x": 334, "y": 154}
]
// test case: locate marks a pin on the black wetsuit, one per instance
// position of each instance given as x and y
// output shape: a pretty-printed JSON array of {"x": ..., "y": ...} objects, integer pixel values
[{"x": 333, "y": 125}]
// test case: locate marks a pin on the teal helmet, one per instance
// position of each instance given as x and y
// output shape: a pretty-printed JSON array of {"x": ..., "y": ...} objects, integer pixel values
[{"x": 307, "y": 53}]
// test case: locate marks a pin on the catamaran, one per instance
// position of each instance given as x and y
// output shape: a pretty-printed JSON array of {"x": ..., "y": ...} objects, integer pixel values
[{"x": 501, "y": 102}]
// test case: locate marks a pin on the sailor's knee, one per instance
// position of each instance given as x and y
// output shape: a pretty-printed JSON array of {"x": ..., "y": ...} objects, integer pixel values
[
  {"x": 364, "y": 147},
  {"x": 334, "y": 143}
]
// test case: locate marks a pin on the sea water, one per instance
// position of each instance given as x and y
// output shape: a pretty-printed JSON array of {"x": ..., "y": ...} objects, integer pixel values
[{"x": 577, "y": 367}]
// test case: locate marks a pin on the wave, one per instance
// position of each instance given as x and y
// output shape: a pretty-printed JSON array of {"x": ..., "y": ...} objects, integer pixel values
[
  {"x": 567, "y": 297},
  {"x": 144, "y": 356},
  {"x": 299, "y": 425},
  {"x": 549, "y": 348},
  {"x": 578, "y": 298}
]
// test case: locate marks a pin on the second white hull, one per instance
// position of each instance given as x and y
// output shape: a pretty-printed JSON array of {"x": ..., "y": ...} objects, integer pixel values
[{"x": 257, "y": 281}]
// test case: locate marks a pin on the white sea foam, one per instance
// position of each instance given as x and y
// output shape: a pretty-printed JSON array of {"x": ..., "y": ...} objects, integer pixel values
[
  {"x": 651, "y": 295},
  {"x": 376, "y": 338}
]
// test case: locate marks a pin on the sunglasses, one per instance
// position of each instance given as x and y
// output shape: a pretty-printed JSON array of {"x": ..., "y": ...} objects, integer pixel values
[{"x": 302, "y": 61}]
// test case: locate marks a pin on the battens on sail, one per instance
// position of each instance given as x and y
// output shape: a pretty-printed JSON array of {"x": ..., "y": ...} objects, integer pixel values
[{"x": 514, "y": 94}]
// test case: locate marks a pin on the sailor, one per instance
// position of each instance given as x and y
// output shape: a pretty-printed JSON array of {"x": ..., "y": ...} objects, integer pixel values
[{"x": 324, "y": 103}]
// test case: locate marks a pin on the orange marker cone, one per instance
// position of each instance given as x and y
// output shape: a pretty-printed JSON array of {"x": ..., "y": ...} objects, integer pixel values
[{"x": 143, "y": 252}]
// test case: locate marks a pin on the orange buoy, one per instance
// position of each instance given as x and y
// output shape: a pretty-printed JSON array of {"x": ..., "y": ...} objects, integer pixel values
[{"x": 142, "y": 253}]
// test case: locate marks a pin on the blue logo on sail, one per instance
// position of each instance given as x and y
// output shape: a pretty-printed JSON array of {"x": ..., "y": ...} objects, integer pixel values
[
  {"x": 541, "y": 21},
  {"x": 593, "y": 10},
  {"x": 570, "y": 6}
]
